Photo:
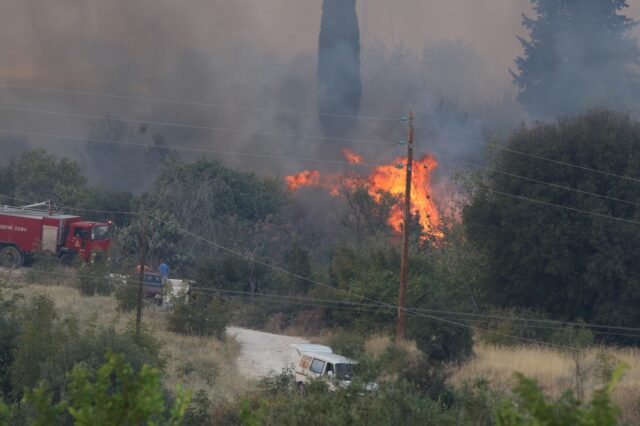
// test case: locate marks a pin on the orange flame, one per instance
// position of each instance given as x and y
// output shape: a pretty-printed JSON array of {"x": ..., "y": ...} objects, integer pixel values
[
  {"x": 352, "y": 157},
  {"x": 302, "y": 179},
  {"x": 385, "y": 179},
  {"x": 391, "y": 178}
]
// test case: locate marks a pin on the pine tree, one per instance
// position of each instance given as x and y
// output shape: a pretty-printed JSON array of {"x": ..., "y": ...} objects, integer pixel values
[
  {"x": 578, "y": 57},
  {"x": 339, "y": 84}
]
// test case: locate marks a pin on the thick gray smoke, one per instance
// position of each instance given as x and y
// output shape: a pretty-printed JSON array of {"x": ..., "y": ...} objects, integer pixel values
[{"x": 253, "y": 53}]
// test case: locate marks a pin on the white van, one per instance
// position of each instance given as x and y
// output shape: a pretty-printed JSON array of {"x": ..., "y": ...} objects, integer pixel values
[{"x": 319, "y": 362}]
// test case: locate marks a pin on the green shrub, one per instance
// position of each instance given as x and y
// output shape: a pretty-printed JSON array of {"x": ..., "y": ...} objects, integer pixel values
[
  {"x": 439, "y": 341},
  {"x": 93, "y": 279},
  {"x": 115, "y": 394},
  {"x": 532, "y": 407},
  {"x": 511, "y": 326},
  {"x": 9, "y": 329},
  {"x": 430, "y": 379},
  {"x": 393, "y": 404},
  {"x": 48, "y": 347},
  {"x": 199, "y": 411},
  {"x": 276, "y": 383},
  {"x": 126, "y": 294},
  {"x": 347, "y": 344},
  {"x": 201, "y": 317},
  {"x": 574, "y": 337},
  {"x": 4, "y": 414}
]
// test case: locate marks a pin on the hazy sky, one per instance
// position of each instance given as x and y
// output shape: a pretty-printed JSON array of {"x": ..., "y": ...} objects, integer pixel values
[{"x": 283, "y": 26}]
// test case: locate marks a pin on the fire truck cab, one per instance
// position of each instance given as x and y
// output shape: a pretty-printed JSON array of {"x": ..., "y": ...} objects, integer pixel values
[{"x": 24, "y": 232}]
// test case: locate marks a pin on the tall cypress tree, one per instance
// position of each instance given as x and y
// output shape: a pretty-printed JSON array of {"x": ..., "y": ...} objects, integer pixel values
[
  {"x": 578, "y": 57},
  {"x": 339, "y": 84}
]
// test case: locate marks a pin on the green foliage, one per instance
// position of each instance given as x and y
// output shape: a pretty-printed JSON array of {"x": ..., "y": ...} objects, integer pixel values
[
  {"x": 199, "y": 411},
  {"x": 48, "y": 347},
  {"x": 199, "y": 315},
  {"x": 347, "y": 343},
  {"x": 93, "y": 279},
  {"x": 433, "y": 284},
  {"x": 277, "y": 383},
  {"x": 575, "y": 337},
  {"x": 511, "y": 327},
  {"x": 233, "y": 273},
  {"x": 164, "y": 241},
  {"x": 561, "y": 263},
  {"x": 298, "y": 262},
  {"x": 232, "y": 206},
  {"x": 392, "y": 404},
  {"x": 38, "y": 176},
  {"x": 4, "y": 414},
  {"x": 126, "y": 293},
  {"x": 115, "y": 394},
  {"x": 532, "y": 407},
  {"x": 9, "y": 331},
  {"x": 339, "y": 84},
  {"x": 578, "y": 56}
]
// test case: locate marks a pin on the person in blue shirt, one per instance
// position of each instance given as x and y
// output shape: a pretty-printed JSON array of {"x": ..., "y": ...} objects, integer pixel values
[{"x": 164, "y": 272}]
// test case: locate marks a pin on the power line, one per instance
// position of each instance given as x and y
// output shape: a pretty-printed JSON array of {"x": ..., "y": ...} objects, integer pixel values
[
  {"x": 526, "y": 154},
  {"x": 190, "y": 103},
  {"x": 460, "y": 315},
  {"x": 377, "y": 303},
  {"x": 532, "y": 200},
  {"x": 348, "y": 140},
  {"x": 198, "y": 127},
  {"x": 318, "y": 137},
  {"x": 568, "y": 188},
  {"x": 372, "y": 308},
  {"x": 187, "y": 149},
  {"x": 214, "y": 105},
  {"x": 390, "y": 306}
]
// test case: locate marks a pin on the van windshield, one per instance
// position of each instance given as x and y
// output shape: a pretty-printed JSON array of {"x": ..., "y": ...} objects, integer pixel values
[
  {"x": 99, "y": 233},
  {"x": 344, "y": 371}
]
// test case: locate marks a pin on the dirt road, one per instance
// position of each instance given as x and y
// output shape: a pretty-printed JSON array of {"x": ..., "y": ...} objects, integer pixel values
[{"x": 263, "y": 353}]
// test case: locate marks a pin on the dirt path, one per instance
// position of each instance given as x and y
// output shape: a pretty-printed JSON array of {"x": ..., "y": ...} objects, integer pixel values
[{"x": 263, "y": 353}]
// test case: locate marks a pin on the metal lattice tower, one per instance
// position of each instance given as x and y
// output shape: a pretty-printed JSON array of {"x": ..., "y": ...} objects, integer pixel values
[{"x": 376, "y": 25}]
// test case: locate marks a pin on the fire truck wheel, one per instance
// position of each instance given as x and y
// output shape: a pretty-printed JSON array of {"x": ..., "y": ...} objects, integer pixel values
[
  {"x": 10, "y": 257},
  {"x": 66, "y": 259}
]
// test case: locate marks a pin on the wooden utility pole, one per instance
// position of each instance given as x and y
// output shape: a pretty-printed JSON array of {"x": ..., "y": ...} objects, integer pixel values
[
  {"x": 141, "y": 264},
  {"x": 404, "y": 263}
]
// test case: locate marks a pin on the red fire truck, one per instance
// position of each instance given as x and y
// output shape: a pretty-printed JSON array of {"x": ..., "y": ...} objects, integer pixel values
[{"x": 25, "y": 231}]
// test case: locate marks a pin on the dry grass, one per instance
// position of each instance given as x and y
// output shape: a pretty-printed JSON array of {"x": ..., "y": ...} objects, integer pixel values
[
  {"x": 376, "y": 345},
  {"x": 556, "y": 371},
  {"x": 196, "y": 363}
]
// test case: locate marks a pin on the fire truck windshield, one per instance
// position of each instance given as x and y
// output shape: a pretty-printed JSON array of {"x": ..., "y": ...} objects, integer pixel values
[{"x": 100, "y": 233}]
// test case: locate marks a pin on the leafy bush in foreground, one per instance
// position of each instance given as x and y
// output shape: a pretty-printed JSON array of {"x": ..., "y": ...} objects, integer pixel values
[
  {"x": 532, "y": 407},
  {"x": 48, "y": 347},
  {"x": 116, "y": 396}
]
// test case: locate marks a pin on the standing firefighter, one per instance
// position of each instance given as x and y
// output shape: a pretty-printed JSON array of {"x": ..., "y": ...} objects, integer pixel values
[{"x": 164, "y": 273}]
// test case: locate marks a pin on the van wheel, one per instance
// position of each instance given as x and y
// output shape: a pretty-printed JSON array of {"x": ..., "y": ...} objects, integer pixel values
[
  {"x": 10, "y": 257},
  {"x": 301, "y": 387}
]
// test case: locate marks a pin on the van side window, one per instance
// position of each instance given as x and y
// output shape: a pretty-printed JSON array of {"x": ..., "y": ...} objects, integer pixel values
[
  {"x": 317, "y": 366},
  {"x": 305, "y": 362}
]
